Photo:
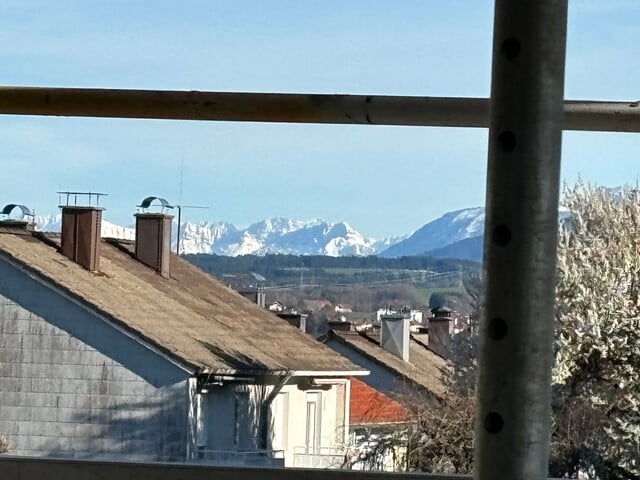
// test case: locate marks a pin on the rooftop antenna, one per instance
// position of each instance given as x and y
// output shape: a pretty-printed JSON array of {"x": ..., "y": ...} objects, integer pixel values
[
  {"x": 180, "y": 206},
  {"x": 181, "y": 177}
]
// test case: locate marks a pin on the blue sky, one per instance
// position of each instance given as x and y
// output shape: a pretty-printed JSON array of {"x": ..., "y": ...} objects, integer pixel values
[{"x": 382, "y": 180}]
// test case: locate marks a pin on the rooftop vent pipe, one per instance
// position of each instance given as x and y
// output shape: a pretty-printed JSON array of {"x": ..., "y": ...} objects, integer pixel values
[{"x": 25, "y": 222}]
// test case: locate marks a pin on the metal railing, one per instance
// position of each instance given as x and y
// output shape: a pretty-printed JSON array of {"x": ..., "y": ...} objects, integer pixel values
[
  {"x": 247, "y": 458},
  {"x": 296, "y": 108},
  {"x": 323, "y": 457}
]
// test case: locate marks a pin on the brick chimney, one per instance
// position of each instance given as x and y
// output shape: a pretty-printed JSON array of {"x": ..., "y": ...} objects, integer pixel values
[
  {"x": 440, "y": 331},
  {"x": 394, "y": 334},
  {"x": 153, "y": 241},
  {"x": 80, "y": 240}
]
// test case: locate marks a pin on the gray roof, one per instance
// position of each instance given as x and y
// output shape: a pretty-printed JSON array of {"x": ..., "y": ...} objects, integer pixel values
[
  {"x": 425, "y": 369},
  {"x": 190, "y": 316}
]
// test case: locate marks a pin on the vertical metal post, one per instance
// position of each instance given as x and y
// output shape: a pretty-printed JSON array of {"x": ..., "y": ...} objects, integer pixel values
[
  {"x": 517, "y": 327},
  {"x": 179, "y": 227}
]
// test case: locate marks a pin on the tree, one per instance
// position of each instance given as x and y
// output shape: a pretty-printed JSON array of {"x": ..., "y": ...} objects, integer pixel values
[
  {"x": 598, "y": 321},
  {"x": 596, "y": 377},
  {"x": 436, "y": 300},
  {"x": 442, "y": 441}
]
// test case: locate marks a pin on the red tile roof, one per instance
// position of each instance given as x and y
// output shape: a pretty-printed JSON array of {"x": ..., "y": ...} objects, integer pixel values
[{"x": 371, "y": 407}]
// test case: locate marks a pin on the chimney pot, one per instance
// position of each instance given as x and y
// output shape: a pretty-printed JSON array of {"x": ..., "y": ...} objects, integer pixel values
[
  {"x": 394, "y": 334},
  {"x": 440, "y": 332}
]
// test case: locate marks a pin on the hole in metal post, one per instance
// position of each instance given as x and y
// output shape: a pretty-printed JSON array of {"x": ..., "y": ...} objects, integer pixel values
[
  {"x": 501, "y": 235},
  {"x": 493, "y": 422},
  {"x": 507, "y": 141},
  {"x": 510, "y": 48},
  {"x": 497, "y": 329}
]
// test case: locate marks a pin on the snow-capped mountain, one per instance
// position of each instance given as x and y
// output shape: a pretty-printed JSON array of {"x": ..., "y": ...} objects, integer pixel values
[
  {"x": 449, "y": 228},
  {"x": 274, "y": 235},
  {"x": 278, "y": 235},
  {"x": 454, "y": 235},
  {"x": 53, "y": 223},
  {"x": 200, "y": 237}
]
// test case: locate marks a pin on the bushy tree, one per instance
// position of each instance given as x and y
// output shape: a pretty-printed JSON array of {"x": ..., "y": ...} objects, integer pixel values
[
  {"x": 596, "y": 401},
  {"x": 598, "y": 325}
]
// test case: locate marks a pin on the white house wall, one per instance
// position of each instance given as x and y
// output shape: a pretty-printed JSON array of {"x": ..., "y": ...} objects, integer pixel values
[
  {"x": 289, "y": 417},
  {"x": 71, "y": 385}
]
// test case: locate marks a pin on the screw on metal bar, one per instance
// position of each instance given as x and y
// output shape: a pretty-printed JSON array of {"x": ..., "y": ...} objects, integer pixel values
[
  {"x": 493, "y": 422},
  {"x": 497, "y": 329},
  {"x": 510, "y": 48},
  {"x": 501, "y": 235}
]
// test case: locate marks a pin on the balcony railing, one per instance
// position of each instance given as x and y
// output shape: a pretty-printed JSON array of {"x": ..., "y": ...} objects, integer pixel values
[
  {"x": 324, "y": 457},
  {"x": 247, "y": 458}
]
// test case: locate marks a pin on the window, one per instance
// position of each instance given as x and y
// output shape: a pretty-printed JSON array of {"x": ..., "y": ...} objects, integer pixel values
[{"x": 312, "y": 442}]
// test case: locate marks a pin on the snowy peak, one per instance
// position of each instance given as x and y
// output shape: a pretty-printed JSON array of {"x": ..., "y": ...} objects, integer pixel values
[
  {"x": 281, "y": 235},
  {"x": 454, "y": 234},
  {"x": 273, "y": 235},
  {"x": 53, "y": 223},
  {"x": 200, "y": 237},
  {"x": 449, "y": 228}
]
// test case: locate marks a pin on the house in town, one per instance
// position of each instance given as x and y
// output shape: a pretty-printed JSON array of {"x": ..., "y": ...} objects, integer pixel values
[
  {"x": 122, "y": 350},
  {"x": 343, "y": 308},
  {"x": 276, "y": 306},
  {"x": 404, "y": 371},
  {"x": 379, "y": 426},
  {"x": 400, "y": 363},
  {"x": 315, "y": 305}
]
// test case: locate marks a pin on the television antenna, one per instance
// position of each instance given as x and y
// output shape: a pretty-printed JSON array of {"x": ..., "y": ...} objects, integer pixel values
[{"x": 180, "y": 207}]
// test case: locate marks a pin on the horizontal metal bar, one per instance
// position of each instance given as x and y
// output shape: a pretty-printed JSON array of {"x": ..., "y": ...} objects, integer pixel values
[
  {"x": 295, "y": 108},
  {"x": 24, "y": 468}
]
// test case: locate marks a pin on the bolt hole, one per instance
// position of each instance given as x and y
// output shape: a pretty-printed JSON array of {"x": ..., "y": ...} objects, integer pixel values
[
  {"x": 510, "y": 48},
  {"x": 493, "y": 422},
  {"x": 497, "y": 329},
  {"x": 507, "y": 141},
  {"x": 501, "y": 235}
]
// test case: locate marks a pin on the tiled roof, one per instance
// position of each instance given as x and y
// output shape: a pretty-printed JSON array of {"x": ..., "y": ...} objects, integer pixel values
[
  {"x": 425, "y": 368},
  {"x": 368, "y": 406},
  {"x": 190, "y": 316}
]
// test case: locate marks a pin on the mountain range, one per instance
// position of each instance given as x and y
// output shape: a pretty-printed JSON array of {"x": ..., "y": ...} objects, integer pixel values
[{"x": 456, "y": 235}]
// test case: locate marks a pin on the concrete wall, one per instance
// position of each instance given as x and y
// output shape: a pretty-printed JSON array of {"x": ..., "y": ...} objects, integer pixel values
[{"x": 71, "y": 385}]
